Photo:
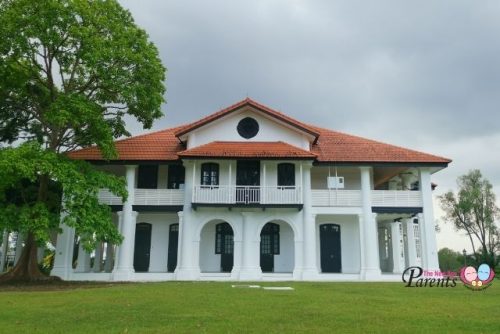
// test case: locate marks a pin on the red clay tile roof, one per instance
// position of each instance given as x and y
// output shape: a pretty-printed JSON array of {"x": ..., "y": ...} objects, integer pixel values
[
  {"x": 248, "y": 102},
  {"x": 232, "y": 149},
  {"x": 159, "y": 145},
  {"x": 334, "y": 146},
  {"x": 330, "y": 146}
]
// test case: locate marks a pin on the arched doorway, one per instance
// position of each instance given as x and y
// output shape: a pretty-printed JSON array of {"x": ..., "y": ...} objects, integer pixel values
[
  {"x": 217, "y": 247},
  {"x": 330, "y": 250},
  {"x": 277, "y": 248},
  {"x": 173, "y": 242}
]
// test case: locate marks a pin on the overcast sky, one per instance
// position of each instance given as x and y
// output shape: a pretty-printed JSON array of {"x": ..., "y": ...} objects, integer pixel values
[{"x": 423, "y": 74}]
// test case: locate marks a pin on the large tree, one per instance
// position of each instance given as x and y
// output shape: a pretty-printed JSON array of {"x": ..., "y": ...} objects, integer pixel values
[
  {"x": 473, "y": 210},
  {"x": 70, "y": 72}
]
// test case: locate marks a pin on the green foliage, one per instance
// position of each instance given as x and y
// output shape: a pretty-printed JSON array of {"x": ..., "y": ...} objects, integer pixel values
[
  {"x": 81, "y": 184},
  {"x": 450, "y": 260},
  {"x": 70, "y": 70},
  {"x": 474, "y": 211}
]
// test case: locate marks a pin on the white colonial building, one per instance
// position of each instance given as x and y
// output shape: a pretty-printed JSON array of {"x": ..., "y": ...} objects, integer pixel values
[{"x": 249, "y": 193}]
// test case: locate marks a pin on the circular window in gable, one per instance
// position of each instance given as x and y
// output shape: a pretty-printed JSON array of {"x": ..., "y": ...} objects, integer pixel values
[{"x": 248, "y": 127}]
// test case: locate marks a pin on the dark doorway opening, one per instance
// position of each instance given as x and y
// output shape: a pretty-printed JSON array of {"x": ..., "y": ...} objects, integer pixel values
[
  {"x": 248, "y": 181},
  {"x": 331, "y": 260},
  {"x": 173, "y": 242},
  {"x": 142, "y": 247},
  {"x": 224, "y": 245},
  {"x": 269, "y": 246}
]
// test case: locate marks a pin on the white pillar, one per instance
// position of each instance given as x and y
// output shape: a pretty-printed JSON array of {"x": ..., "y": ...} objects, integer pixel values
[
  {"x": 83, "y": 262},
  {"x": 250, "y": 267},
  {"x": 124, "y": 267},
  {"x": 430, "y": 249},
  {"x": 397, "y": 249},
  {"x": 411, "y": 251},
  {"x": 371, "y": 268},
  {"x": 124, "y": 260},
  {"x": 237, "y": 256},
  {"x": 63, "y": 266},
  {"x": 3, "y": 250},
  {"x": 98, "y": 258},
  {"x": 19, "y": 247},
  {"x": 310, "y": 268},
  {"x": 108, "y": 263}
]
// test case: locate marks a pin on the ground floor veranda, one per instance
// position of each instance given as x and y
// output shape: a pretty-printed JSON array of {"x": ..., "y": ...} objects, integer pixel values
[{"x": 250, "y": 246}]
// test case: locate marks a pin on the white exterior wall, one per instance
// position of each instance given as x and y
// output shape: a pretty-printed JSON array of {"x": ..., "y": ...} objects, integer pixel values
[
  {"x": 224, "y": 129},
  {"x": 284, "y": 262},
  {"x": 349, "y": 241},
  {"x": 352, "y": 177},
  {"x": 159, "y": 238}
]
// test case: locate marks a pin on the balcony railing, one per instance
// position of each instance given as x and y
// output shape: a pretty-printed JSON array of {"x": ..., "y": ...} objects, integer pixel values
[
  {"x": 336, "y": 197},
  {"x": 396, "y": 198},
  {"x": 146, "y": 197},
  {"x": 379, "y": 198},
  {"x": 247, "y": 195}
]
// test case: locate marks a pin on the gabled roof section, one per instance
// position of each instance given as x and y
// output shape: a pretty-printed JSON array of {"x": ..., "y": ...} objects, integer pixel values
[
  {"x": 261, "y": 150},
  {"x": 248, "y": 102},
  {"x": 339, "y": 147},
  {"x": 154, "y": 146}
]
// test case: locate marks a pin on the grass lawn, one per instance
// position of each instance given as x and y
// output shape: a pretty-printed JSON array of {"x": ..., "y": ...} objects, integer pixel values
[{"x": 199, "y": 307}]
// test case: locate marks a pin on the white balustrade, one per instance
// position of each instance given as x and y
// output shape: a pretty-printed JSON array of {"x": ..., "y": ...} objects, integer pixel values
[
  {"x": 146, "y": 197},
  {"x": 396, "y": 198},
  {"x": 380, "y": 198},
  {"x": 247, "y": 195}
]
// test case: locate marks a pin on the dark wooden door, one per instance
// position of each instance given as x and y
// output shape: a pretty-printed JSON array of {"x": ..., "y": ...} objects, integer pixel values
[
  {"x": 173, "y": 243},
  {"x": 331, "y": 261},
  {"x": 248, "y": 176},
  {"x": 224, "y": 245},
  {"x": 142, "y": 247},
  {"x": 269, "y": 246}
]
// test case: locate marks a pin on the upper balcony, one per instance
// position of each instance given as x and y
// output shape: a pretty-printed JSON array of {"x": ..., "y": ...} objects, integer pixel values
[
  {"x": 146, "y": 197},
  {"x": 247, "y": 196},
  {"x": 379, "y": 198}
]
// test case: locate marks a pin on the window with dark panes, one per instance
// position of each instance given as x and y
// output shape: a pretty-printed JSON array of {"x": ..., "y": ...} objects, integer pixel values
[
  {"x": 224, "y": 239},
  {"x": 286, "y": 174},
  {"x": 210, "y": 174},
  {"x": 147, "y": 177},
  {"x": 176, "y": 175}
]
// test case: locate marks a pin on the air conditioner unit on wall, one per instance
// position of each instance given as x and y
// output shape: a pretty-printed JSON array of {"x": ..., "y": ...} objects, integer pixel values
[{"x": 335, "y": 182}]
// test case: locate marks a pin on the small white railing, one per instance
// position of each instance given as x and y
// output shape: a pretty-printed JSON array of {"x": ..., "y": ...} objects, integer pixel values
[
  {"x": 396, "y": 198},
  {"x": 146, "y": 197},
  {"x": 107, "y": 197},
  {"x": 379, "y": 198},
  {"x": 247, "y": 195},
  {"x": 159, "y": 197},
  {"x": 336, "y": 197}
]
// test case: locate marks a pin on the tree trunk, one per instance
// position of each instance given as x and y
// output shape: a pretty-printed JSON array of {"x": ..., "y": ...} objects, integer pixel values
[{"x": 26, "y": 269}]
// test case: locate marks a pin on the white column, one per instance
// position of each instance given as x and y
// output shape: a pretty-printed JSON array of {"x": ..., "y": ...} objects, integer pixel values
[
  {"x": 237, "y": 256},
  {"x": 250, "y": 267},
  {"x": 19, "y": 247},
  {"x": 124, "y": 267},
  {"x": 83, "y": 262},
  {"x": 63, "y": 266},
  {"x": 108, "y": 263},
  {"x": 187, "y": 265},
  {"x": 310, "y": 270},
  {"x": 397, "y": 259},
  {"x": 411, "y": 253},
  {"x": 371, "y": 268},
  {"x": 98, "y": 258},
  {"x": 3, "y": 250},
  {"x": 430, "y": 249}
]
